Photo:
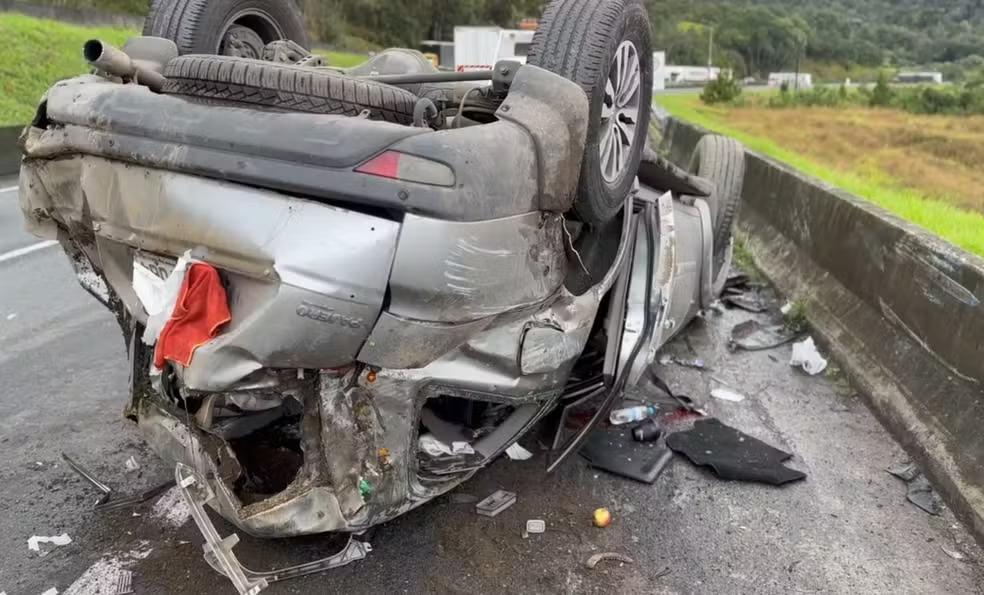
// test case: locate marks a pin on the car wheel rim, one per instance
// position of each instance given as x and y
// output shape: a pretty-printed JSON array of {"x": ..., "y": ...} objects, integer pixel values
[{"x": 620, "y": 112}]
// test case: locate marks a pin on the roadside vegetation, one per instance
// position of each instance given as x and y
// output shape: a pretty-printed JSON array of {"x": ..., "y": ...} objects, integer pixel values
[
  {"x": 38, "y": 52},
  {"x": 924, "y": 168}
]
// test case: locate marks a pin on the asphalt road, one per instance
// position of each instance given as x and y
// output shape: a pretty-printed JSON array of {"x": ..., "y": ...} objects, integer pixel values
[{"x": 847, "y": 529}]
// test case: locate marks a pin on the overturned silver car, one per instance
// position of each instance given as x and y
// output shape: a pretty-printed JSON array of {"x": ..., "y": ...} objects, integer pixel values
[{"x": 404, "y": 255}]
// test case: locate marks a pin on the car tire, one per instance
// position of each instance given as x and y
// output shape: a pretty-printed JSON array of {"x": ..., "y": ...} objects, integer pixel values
[
  {"x": 234, "y": 80},
  {"x": 585, "y": 41},
  {"x": 227, "y": 27},
  {"x": 721, "y": 161}
]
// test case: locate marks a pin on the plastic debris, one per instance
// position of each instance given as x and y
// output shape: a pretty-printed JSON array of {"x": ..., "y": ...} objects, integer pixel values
[
  {"x": 647, "y": 431},
  {"x": 727, "y": 395},
  {"x": 602, "y": 519},
  {"x": 11, "y": 316},
  {"x": 919, "y": 491},
  {"x": 518, "y": 453},
  {"x": 124, "y": 584},
  {"x": 51, "y": 591},
  {"x": 631, "y": 414},
  {"x": 535, "y": 526},
  {"x": 432, "y": 446},
  {"x": 596, "y": 558},
  {"x": 953, "y": 553},
  {"x": 751, "y": 335},
  {"x": 132, "y": 464},
  {"x": 34, "y": 541},
  {"x": 786, "y": 308},
  {"x": 462, "y": 448},
  {"x": 806, "y": 356},
  {"x": 496, "y": 503}
]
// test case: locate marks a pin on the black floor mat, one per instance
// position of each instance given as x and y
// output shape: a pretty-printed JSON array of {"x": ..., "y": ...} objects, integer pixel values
[{"x": 732, "y": 454}]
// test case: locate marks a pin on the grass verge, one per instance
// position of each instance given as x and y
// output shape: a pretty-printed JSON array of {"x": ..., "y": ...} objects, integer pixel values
[
  {"x": 37, "y": 53},
  {"x": 961, "y": 227}
]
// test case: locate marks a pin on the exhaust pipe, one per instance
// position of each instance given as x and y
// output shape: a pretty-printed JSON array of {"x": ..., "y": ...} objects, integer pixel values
[{"x": 103, "y": 56}]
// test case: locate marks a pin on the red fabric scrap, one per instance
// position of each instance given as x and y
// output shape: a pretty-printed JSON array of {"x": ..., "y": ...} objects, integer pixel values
[{"x": 200, "y": 310}]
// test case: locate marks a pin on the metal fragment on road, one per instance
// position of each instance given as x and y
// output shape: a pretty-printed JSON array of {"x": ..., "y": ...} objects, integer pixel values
[
  {"x": 596, "y": 558},
  {"x": 106, "y": 501},
  {"x": 953, "y": 553},
  {"x": 496, "y": 503},
  {"x": 124, "y": 584},
  {"x": 752, "y": 335}
]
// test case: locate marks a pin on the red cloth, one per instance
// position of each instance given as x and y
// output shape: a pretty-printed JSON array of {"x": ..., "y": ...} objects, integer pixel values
[{"x": 200, "y": 310}]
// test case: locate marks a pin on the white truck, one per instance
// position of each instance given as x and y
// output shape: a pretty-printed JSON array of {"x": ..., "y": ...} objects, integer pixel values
[{"x": 478, "y": 48}]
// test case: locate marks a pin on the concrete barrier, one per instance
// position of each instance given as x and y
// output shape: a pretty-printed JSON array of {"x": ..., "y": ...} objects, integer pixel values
[
  {"x": 10, "y": 153},
  {"x": 897, "y": 307}
]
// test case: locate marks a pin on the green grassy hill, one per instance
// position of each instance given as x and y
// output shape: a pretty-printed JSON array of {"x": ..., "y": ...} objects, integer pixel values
[{"x": 37, "y": 53}]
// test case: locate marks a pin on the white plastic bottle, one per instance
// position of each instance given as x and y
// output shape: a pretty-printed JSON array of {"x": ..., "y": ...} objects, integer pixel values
[{"x": 631, "y": 414}]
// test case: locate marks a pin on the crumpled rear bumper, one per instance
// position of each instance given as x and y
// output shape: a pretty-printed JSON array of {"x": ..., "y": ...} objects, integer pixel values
[{"x": 360, "y": 317}]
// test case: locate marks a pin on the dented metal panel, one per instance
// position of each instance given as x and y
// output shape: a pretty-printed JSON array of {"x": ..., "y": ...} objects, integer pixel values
[
  {"x": 447, "y": 271},
  {"x": 305, "y": 280}
]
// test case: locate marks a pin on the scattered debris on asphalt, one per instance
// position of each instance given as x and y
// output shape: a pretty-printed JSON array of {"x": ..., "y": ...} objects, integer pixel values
[
  {"x": 628, "y": 415},
  {"x": 602, "y": 518},
  {"x": 106, "y": 501},
  {"x": 517, "y": 453},
  {"x": 919, "y": 491},
  {"x": 496, "y": 503},
  {"x": 647, "y": 431},
  {"x": 752, "y": 335},
  {"x": 131, "y": 465},
  {"x": 696, "y": 363},
  {"x": 34, "y": 542},
  {"x": 731, "y": 454},
  {"x": 124, "y": 584},
  {"x": 806, "y": 356},
  {"x": 617, "y": 452},
  {"x": 596, "y": 558},
  {"x": 535, "y": 527},
  {"x": 724, "y": 394},
  {"x": 953, "y": 553}
]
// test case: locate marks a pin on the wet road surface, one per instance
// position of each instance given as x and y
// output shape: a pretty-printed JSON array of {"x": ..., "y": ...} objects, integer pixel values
[{"x": 847, "y": 529}]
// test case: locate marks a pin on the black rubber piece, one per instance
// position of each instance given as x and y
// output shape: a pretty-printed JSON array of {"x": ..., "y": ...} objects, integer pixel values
[
  {"x": 577, "y": 39},
  {"x": 721, "y": 161},
  {"x": 286, "y": 87},
  {"x": 199, "y": 26},
  {"x": 733, "y": 454}
]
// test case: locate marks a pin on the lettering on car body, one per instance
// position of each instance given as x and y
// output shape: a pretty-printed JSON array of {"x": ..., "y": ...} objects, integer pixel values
[{"x": 328, "y": 315}]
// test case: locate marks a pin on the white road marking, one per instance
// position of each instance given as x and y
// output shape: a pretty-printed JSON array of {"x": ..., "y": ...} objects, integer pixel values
[
  {"x": 27, "y": 250},
  {"x": 8, "y": 189}
]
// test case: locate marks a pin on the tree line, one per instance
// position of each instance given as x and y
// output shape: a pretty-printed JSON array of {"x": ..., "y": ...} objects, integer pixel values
[{"x": 753, "y": 37}]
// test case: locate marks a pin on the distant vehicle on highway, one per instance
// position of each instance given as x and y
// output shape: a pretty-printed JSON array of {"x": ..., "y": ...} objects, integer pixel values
[
  {"x": 799, "y": 80},
  {"x": 919, "y": 77}
]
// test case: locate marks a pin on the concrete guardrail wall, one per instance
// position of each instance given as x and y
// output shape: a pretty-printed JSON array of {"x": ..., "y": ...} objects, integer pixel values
[
  {"x": 10, "y": 153},
  {"x": 897, "y": 307}
]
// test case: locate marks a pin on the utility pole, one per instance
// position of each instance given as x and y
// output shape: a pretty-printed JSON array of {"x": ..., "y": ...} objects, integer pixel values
[{"x": 710, "y": 53}]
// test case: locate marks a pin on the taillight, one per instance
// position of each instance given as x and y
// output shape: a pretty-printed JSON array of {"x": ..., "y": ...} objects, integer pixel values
[{"x": 408, "y": 168}]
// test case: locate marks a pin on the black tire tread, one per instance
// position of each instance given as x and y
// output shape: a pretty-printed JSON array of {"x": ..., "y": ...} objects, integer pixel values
[
  {"x": 722, "y": 161},
  {"x": 575, "y": 39},
  {"x": 284, "y": 86}
]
